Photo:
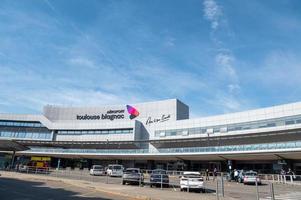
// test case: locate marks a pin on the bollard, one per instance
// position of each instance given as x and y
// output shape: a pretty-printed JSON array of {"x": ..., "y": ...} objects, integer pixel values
[
  {"x": 273, "y": 178},
  {"x": 188, "y": 185},
  {"x": 161, "y": 181},
  {"x": 140, "y": 179},
  {"x": 272, "y": 191},
  {"x": 257, "y": 193},
  {"x": 223, "y": 189},
  {"x": 291, "y": 177},
  {"x": 217, "y": 195},
  {"x": 281, "y": 179},
  {"x": 107, "y": 179}
]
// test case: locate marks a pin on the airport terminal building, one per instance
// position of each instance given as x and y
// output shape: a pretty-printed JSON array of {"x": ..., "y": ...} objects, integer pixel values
[{"x": 156, "y": 135}]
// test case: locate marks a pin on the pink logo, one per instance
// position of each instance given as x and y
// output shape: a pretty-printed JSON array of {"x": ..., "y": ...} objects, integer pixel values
[{"x": 132, "y": 111}]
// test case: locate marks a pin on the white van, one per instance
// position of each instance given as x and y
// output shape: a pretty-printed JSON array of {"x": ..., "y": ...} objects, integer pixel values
[{"x": 115, "y": 170}]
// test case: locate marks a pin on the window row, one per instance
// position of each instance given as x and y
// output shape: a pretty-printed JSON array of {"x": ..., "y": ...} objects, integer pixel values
[
  {"x": 231, "y": 127},
  {"x": 22, "y": 124},
  {"x": 96, "y": 132},
  {"x": 25, "y": 135}
]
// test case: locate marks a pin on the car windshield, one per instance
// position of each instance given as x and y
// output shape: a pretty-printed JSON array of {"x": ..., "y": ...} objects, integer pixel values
[
  {"x": 98, "y": 167},
  {"x": 192, "y": 176},
  {"x": 159, "y": 172},
  {"x": 251, "y": 174},
  {"x": 117, "y": 167},
  {"x": 132, "y": 170}
]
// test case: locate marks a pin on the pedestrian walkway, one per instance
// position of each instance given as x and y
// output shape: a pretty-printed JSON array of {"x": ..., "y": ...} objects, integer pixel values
[{"x": 286, "y": 196}]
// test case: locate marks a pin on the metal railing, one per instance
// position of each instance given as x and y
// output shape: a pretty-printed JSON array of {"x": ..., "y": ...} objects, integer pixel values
[{"x": 283, "y": 179}]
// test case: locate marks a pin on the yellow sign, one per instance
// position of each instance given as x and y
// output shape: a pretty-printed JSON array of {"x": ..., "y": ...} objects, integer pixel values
[
  {"x": 35, "y": 158},
  {"x": 40, "y": 164}
]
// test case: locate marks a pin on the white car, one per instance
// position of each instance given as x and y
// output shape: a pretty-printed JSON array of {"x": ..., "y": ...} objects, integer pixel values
[
  {"x": 115, "y": 170},
  {"x": 97, "y": 170},
  {"x": 23, "y": 168},
  {"x": 192, "y": 181}
]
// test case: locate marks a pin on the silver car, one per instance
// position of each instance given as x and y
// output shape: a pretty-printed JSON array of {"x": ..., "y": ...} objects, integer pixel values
[
  {"x": 251, "y": 177},
  {"x": 132, "y": 176}
]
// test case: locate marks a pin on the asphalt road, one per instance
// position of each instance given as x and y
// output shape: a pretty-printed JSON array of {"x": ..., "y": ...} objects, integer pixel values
[
  {"x": 15, "y": 189},
  {"x": 232, "y": 189},
  {"x": 44, "y": 188}
]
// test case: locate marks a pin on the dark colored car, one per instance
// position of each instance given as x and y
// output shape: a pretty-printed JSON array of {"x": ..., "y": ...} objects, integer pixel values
[
  {"x": 132, "y": 176},
  {"x": 158, "y": 177}
]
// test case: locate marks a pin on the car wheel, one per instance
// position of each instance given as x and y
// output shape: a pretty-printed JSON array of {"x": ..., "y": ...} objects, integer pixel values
[
  {"x": 203, "y": 190},
  {"x": 123, "y": 182}
]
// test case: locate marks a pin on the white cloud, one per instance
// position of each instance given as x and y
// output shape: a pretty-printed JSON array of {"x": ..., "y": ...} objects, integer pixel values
[
  {"x": 233, "y": 88},
  {"x": 82, "y": 62},
  {"x": 212, "y": 12},
  {"x": 224, "y": 58},
  {"x": 225, "y": 61},
  {"x": 169, "y": 42},
  {"x": 229, "y": 104},
  {"x": 279, "y": 69}
]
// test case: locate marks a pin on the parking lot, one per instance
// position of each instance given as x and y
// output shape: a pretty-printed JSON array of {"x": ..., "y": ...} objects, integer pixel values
[{"x": 112, "y": 185}]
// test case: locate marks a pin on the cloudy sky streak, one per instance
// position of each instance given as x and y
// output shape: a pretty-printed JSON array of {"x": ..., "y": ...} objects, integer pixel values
[{"x": 217, "y": 56}]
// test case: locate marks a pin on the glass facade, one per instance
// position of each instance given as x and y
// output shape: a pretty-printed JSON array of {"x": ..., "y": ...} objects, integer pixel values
[
  {"x": 20, "y": 124},
  {"x": 284, "y": 121},
  {"x": 96, "y": 132},
  {"x": 26, "y": 135},
  {"x": 213, "y": 149},
  {"x": 24, "y": 130}
]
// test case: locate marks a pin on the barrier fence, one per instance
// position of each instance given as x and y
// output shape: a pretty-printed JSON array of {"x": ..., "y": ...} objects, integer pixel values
[{"x": 283, "y": 179}]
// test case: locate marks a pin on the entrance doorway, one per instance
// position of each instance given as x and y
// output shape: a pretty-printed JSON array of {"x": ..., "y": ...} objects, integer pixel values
[
  {"x": 297, "y": 168},
  {"x": 216, "y": 165}
]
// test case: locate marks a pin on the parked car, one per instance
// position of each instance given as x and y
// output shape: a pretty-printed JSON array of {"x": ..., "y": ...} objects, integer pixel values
[
  {"x": 159, "y": 176},
  {"x": 192, "y": 181},
  {"x": 97, "y": 170},
  {"x": 115, "y": 170},
  {"x": 132, "y": 176},
  {"x": 251, "y": 177},
  {"x": 23, "y": 168}
]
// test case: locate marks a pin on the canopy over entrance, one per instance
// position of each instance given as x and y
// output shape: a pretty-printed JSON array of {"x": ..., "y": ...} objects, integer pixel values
[{"x": 10, "y": 145}]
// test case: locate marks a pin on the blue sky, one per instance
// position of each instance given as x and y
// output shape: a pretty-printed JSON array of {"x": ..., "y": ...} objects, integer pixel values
[{"x": 216, "y": 56}]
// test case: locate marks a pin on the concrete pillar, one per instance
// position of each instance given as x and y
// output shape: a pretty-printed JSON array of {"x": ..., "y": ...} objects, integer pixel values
[
  {"x": 13, "y": 160},
  {"x": 58, "y": 164}
]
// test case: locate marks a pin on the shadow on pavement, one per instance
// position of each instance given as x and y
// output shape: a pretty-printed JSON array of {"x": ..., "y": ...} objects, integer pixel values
[{"x": 15, "y": 189}]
